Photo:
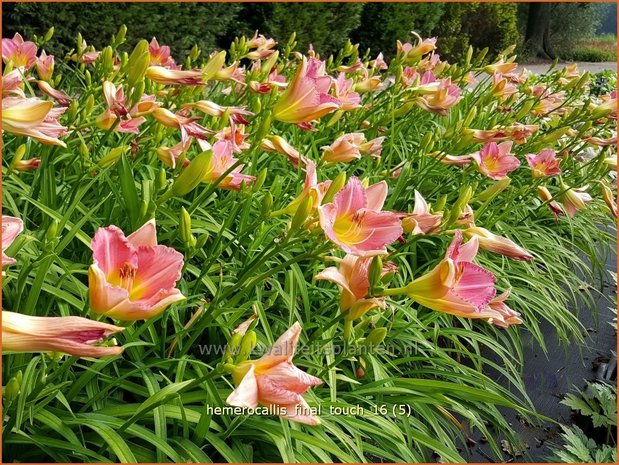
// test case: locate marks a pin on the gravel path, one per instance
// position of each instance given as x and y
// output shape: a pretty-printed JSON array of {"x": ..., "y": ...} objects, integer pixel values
[{"x": 540, "y": 68}]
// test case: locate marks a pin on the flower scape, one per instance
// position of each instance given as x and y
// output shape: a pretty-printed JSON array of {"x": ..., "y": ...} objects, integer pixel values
[{"x": 264, "y": 255}]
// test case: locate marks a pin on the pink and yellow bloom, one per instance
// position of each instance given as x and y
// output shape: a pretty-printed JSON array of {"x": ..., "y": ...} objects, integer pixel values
[
  {"x": 354, "y": 220},
  {"x": 445, "y": 97},
  {"x": 273, "y": 380},
  {"x": 352, "y": 277},
  {"x": 543, "y": 164},
  {"x": 220, "y": 162},
  {"x": 306, "y": 98},
  {"x": 133, "y": 278},
  {"x": 421, "y": 221},
  {"x": 18, "y": 52},
  {"x": 496, "y": 161},
  {"x": 345, "y": 94},
  {"x": 160, "y": 55},
  {"x": 350, "y": 147},
  {"x": 497, "y": 244},
  {"x": 45, "y": 66},
  {"x": 34, "y": 118},
  {"x": 71, "y": 335},
  {"x": 12, "y": 84},
  {"x": 11, "y": 228},
  {"x": 412, "y": 52},
  {"x": 456, "y": 285}
]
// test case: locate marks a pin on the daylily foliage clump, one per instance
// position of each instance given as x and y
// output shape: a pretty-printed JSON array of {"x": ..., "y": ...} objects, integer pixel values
[{"x": 265, "y": 228}]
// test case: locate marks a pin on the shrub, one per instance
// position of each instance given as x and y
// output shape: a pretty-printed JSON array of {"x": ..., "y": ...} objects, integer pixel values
[
  {"x": 492, "y": 25},
  {"x": 384, "y": 23}
]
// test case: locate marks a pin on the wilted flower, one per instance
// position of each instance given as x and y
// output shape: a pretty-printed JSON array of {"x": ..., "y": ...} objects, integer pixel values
[
  {"x": 575, "y": 199},
  {"x": 497, "y": 244},
  {"x": 279, "y": 145},
  {"x": 133, "y": 278},
  {"x": 274, "y": 380},
  {"x": 12, "y": 84},
  {"x": 411, "y": 52},
  {"x": 502, "y": 87},
  {"x": 71, "y": 335},
  {"x": 421, "y": 221},
  {"x": 545, "y": 195},
  {"x": 162, "y": 75},
  {"x": 63, "y": 99},
  {"x": 188, "y": 126}
]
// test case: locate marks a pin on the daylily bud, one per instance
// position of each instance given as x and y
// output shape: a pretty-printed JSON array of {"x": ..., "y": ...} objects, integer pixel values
[
  {"x": 87, "y": 78},
  {"x": 338, "y": 183},
  {"x": 213, "y": 66},
  {"x": 11, "y": 390},
  {"x": 439, "y": 205},
  {"x": 194, "y": 53},
  {"x": 110, "y": 158},
  {"x": 493, "y": 190},
  {"x": 267, "y": 204},
  {"x": 49, "y": 34},
  {"x": 160, "y": 179},
  {"x": 247, "y": 345},
  {"x": 465, "y": 196},
  {"x": 121, "y": 34},
  {"x": 609, "y": 199},
  {"x": 375, "y": 337},
  {"x": 260, "y": 180},
  {"x": 88, "y": 106},
  {"x": 300, "y": 216},
  {"x": 376, "y": 270},
  {"x": 185, "y": 229},
  {"x": 192, "y": 175},
  {"x": 233, "y": 347},
  {"x": 27, "y": 165},
  {"x": 469, "y": 117},
  {"x": 138, "y": 63},
  {"x": 19, "y": 153}
]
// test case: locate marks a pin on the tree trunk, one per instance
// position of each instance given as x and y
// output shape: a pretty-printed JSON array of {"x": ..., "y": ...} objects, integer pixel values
[{"x": 537, "y": 38}]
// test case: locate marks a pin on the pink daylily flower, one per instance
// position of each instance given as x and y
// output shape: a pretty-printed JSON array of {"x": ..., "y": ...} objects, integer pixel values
[
  {"x": 345, "y": 94},
  {"x": 306, "y": 98},
  {"x": 456, "y": 285},
  {"x": 11, "y": 228},
  {"x": 235, "y": 134},
  {"x": 543, "y": 164},
  {"x": 160, "y": 55},
  {"x": 34, "y": 118},
  {"x": 379, "y": 62},
  {"x": 346, "y": 148},
  {"x": 71, "y": 335},
  {"x": 132, "y": 277},
  {"x": 502, "y": 315},
  {"x": 19, "y": 52},
  {"x": 170, "y": 155},
  {"x": 221, "y": 161},
  {"x": 354, "y": 220},
  {"x": 421, "y": 221},
  {"x": 517, "y": 132},
  {"x": 273, "y": 380},
  {"x": 45, "y": 66},
  {"x": 352, "y": 277},
  {"x": 502, "y": 87},
  {"x": 496, "y": 161},
  {"x": 497, "y": 244},
  {"x": 445, "y": 97},
  {"x": 12, "y": 84},
  {"x": 410, "y": 52}
]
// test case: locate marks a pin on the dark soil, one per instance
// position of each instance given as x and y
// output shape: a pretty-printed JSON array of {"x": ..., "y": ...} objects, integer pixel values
[{"x": 549, "y": 378}]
